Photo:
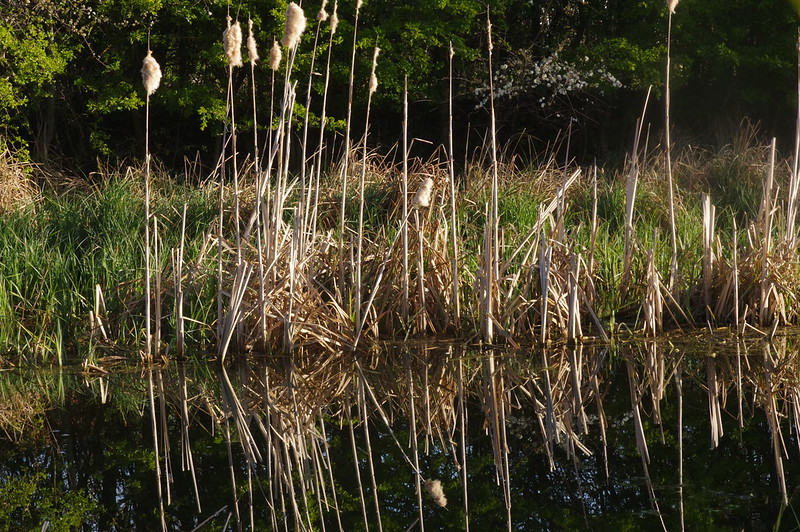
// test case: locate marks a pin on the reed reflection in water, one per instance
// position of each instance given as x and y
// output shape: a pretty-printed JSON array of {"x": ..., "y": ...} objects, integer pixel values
[{"x": 693, "y": 433}]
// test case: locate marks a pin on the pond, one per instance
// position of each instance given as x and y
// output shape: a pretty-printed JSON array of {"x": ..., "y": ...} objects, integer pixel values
[{"x": 694, "y": 433}]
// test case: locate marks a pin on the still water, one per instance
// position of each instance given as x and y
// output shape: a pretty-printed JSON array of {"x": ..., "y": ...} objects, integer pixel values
[{"x": 696, "y": 433}]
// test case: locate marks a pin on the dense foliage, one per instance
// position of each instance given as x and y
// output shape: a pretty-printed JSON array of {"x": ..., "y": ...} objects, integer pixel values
[{"x": 70, "y": 83}]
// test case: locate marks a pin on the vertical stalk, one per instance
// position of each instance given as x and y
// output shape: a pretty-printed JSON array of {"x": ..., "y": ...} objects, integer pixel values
[
  {"x": 456, "y": 299},
  {"x": 148, "y": 350},
  {"x": 404, "y": 228},
  {"x": 673, "y": 272}
]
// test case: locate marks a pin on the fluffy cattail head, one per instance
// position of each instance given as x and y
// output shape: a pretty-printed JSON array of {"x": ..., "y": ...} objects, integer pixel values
[
  {"x": 252, "y": 49},
  {"x": 489, "y": 33},
  {"x": 295, "y": 25},
  {"x": 672, "y": 4},
  {"x": 232, "y": 41},
  {"x": 421, "y": 200},
  {"x": 151, "y": 73},
  {"x": 322, "y": 16},
  {"x": 275, "y": 56},
  {"x": 434, "y": 489},
  {"x": 334, "y": 17},
  {"x": 373, "y": 79}
]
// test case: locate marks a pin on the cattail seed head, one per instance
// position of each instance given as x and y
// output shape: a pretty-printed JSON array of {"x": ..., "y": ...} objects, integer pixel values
[
  {"x": 672, "y": 4},
  {"x": 232, "y": 41},
  {"x": 334, "y": 17},
  {"x": 322, "y": 16},
  {"x": 295, "y": 25},
  {"x": 151, "y": 73},
  {"x": 421, "y": 200},
  {"x": 434, "y": 489},
  {"x": 275, "y": 56},
  {"x": 252, "y": 49},
  {"x": 373, "y": 79}
]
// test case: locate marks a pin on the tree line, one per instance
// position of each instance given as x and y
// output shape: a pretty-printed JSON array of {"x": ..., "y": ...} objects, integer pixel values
[{"x": 70, "y": 88}]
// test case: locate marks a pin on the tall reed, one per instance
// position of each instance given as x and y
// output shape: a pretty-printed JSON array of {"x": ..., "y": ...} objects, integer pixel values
[{"x": 151, "y": 77}]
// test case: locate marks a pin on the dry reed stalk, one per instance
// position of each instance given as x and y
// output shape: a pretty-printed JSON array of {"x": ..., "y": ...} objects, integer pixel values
[
  {"x": 158, "y": 292},
  {"x": 679, "y": 389},
  {"x": 327, "y": 463},
  {"x": 708, "y": 253},
  {"x": 462, "y": 411},
  {"x": 414, "y": 442},
  {"x": 794, "y": 181},
  {"x": 151, "y": 78},
  {"x": 373, "y": 86},
  {"x": 491, "y": 266},
  {"x": 735, "y": 241},
  {"x": 545, "y": 260},
  {"x": 356, "y": 463},
  {"x": 574, "y": 320},
  {"x": 306, "y": 207},
  {"x": 714, "y": 408},
  {"x": 653, "y": 302},
  {"x": 346, "y": 160},
  {"x": 455, "y": 297},
  {"x": 771, "y": 410},
  {"x": 187, "y": 458},
  {"x": 180, "y": 324},
  {"x": 630, "y": 200},
  {"x": 165, "y": 447},
  {"x": 765, "y": 221},
  {"x": 370, "y": 463},
  {"x": 154, "y": 427},
  {"x": 739, "y": 383},
  {"x": 673, "y": 271},
  {"x": 404, "y": 194},
  {"x": 323, "y": 116}
]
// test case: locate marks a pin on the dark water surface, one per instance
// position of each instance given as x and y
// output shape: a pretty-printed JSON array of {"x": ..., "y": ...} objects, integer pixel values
[{"x": 563, "y": 439}]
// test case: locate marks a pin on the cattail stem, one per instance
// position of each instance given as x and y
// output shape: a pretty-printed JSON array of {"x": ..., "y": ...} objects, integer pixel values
[
  {"x": 673, "y": 272},
  {"x": 346, "y": 159},
  {"x": 404, "y": 192},
  {"x": 455, "y": 297},
  {"x": 491, "y": 266}
]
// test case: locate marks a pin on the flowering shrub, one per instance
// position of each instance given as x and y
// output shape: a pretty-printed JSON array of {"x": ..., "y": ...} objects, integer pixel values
[{"x": 551, "y": 81}]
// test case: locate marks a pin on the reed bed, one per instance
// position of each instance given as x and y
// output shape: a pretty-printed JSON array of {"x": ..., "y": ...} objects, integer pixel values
[{"x": 315, "y": 260}]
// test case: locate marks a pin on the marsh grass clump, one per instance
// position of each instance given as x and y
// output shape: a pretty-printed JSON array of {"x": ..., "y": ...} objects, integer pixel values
[{"x": 17, "y": 189}]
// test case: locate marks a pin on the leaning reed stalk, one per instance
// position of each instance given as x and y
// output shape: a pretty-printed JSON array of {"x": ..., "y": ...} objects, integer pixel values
[
  {"x": 346, "y": 159},
  {"x": 766, "y": 236},
  {"x": 323, "y": 116},
  {"x": 253, "y": 54},
  {"x": 414, "y": 443},
  {"x": 794, "y": 183},
  {"x": 404, "y": 192},
  {"x": 456, "y": 299},
  {"x": 307, "y": 191},
  {"x": 490, "y": 265},
  {"x": 373, "y": 86},
  {"x": 462, "y": 414},
  {"x": 355, "y": 463},
  {"x": 370, "y": 462},
  {"x": 673, "y": 271},
  {"x": 151, "y": 78}
]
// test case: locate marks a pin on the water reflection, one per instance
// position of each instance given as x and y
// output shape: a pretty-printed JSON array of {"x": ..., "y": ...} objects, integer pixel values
[{"x": 690, "y": 434}]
